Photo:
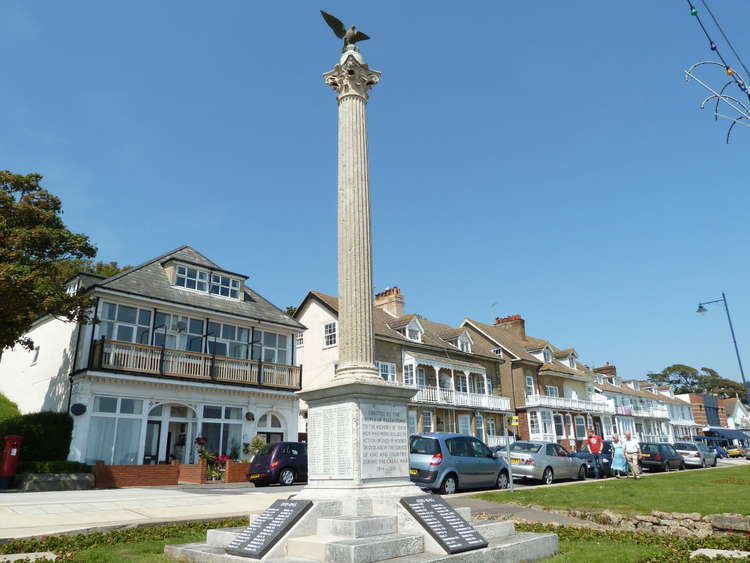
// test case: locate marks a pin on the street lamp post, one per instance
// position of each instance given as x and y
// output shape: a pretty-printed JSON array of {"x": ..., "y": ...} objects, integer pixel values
[{"x": 701, "y": 310}]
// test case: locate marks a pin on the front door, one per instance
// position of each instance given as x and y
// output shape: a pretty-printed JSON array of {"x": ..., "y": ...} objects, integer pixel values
[{"x": 151, "y": 449}]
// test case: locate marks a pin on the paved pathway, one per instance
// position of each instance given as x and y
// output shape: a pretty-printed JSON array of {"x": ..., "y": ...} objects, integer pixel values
[{"x": 33, "y": 514}]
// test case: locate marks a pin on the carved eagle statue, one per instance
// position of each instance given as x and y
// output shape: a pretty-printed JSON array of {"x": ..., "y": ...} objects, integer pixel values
[{"x": 350, "y": 36}]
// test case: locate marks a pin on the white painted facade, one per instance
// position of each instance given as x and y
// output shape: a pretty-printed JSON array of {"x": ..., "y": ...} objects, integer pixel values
[
  {"x": 137, "y": 401},
  {"x": 739, "y": 418}
]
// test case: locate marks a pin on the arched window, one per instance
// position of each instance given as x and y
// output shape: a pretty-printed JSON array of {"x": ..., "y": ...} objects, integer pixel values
[
  {"x": 271, "y": 428},
  {"x": 269, "y": 420}
]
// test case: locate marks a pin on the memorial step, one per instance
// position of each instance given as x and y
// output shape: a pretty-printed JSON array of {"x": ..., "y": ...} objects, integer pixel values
[
  {"x": 359, "y": 550},
  {"x": 494, "y": 528},
  {"x": 357, "y": 526},
  {"x": 521, "y": 546},
  {"x": 222, "y": 537},
  {"x": 204, "y": 553}
]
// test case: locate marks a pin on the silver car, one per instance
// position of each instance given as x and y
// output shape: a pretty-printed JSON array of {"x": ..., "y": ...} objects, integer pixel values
[
  {"x": 546, "y": 461},
  {"x": 695, "y": 454}
]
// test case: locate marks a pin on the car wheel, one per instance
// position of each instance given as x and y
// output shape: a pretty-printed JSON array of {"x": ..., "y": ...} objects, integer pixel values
[
  {"x": 714, "y": 463},
  {"x": 449, "y": 485},
  {"x": 286, "y": 477},
  {"x": 703, "y": 463},
  {"x": 666, "y": 467},
  {"x": 682, "y": 466},
  {"x": 502, "y": 480},
  {"x": 548, "y": 476},
  {"x": 582, "y": 473}
]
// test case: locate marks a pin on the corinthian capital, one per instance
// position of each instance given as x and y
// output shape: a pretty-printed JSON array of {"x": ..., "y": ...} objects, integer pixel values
[{"x": 352, "y": 77}]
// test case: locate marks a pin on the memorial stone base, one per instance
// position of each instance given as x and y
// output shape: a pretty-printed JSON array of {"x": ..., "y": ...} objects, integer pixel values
[{"x": 358, "y": 475}]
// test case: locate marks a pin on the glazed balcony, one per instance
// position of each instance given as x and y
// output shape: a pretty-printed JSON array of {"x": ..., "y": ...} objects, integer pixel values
[
  {"x": 645, "y": 412},
  {"x": 437, "y": 395},
  {"x": 567, "y": 403},
  {"x": 154, "y": 360}
]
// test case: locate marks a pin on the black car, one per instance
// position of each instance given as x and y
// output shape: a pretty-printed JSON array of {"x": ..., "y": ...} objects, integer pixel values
[
  {"x": 660, "y": 457},
  {"x": 282, "y": 463},
  {"x": 605, "y": 457}
]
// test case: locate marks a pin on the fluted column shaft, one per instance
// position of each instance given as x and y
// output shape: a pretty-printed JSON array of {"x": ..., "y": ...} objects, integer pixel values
[{"x": 352, "y": 79}]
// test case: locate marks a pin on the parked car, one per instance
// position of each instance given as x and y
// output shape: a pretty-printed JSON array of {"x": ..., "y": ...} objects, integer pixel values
[
  {"x": 735, "y": 451},
  {"x": 720, "y": 452},
  {"x": 747, "y": 454},
  {"x": 695, "y": 454},
  {"x": 445, "y": 462},
  {"x": 282, "y": 463},
  {"x": 659, "y": 456},
  {"x": 545, "y": 461},
  {"x": 606, "y": 459}
]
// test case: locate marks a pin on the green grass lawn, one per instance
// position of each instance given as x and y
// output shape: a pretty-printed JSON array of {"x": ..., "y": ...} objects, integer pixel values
[
  {"x": 147, "y": 551},
  {"x": 605, "y": 552},
  {"x": 708, "y": 492}
]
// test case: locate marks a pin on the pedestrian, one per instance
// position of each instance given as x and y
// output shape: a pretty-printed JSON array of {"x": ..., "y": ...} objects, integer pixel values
[
  {"x": 632, "y": 454},
  {"x": 594, "y": 444},
  {"x": 619, "y": 465}
]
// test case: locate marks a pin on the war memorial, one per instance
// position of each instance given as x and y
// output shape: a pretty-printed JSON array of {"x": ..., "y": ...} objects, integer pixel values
[{"x": 359, "y": 504}]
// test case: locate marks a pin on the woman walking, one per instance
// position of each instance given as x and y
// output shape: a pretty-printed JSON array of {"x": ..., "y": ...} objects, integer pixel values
[{"x": 619, "y": 464}]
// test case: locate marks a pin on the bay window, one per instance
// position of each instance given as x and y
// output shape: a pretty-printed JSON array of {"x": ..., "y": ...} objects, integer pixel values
[
  {"x": 181, "y": 333},
  {"x": 114, "y": 431},
  {"x": 222, "y": 427},
  {"x": 271, "y": 347},
  {"x": 125, "y": 323}
]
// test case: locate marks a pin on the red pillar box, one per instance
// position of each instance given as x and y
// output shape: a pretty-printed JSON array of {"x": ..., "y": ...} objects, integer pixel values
[{"x": 11, "y": 456}]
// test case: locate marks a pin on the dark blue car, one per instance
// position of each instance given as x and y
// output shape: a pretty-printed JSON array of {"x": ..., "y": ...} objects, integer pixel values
[
  {"x": 282, "y": 463},
  {"x": 605, "y": 457}
]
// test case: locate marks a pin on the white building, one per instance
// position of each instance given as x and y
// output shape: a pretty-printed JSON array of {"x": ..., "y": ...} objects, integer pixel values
[{"x": 177, "y": 348}]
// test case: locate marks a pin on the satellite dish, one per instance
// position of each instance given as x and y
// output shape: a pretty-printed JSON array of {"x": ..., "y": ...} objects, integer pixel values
[{"x": 78, "y": 409}]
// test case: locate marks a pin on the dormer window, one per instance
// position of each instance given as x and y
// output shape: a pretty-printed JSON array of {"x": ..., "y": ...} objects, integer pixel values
[
  {"x": 572, "y": 362},
  {"x": 547, "y": 355},
  {"x": 198, "y": 280},
  {"x": 414, "y": 334}
]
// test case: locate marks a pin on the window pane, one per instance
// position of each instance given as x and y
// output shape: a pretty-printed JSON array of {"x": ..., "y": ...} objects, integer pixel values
[
  {"x": 237, "y": 350},
  {"x": 257, "y": 335},
  {"x": 201, "y": 286},
  {"x": 224, "y": 291},
  {"x": 211, "y": 412},
  {"x": 194, "y": 344},
  {"x": 275, "y": 422},
  {"x": 109, "y": 311},
  {"x": 107, "y": 329},
  {"x": 269, "y": 355},
  {"x": 212, "y": 432},
  {"x": 195, "y": 326},
  {"x": 231, "y": 439},
  {"x": 214, "y": 329},
  {"x": 269, "y": 339},
  {"x": 125, "y": 333},
  {"x": 233, "y": 413},
  {"x": 144, "y": 335},
  {"x": 218, "y": 348},
  {"x": 156, "y": 411},
  {"x": 192, "y": 273},
  {"x": 126, "y": 314},
  {"x": 224, "y": 280},
  {"x": 100, "y": 439},
  {"x": 181, "y": 270},
  {"x": 202, "y": 276},
  {"x": 282, "y": 340},
  {"x": 242, "y": 334},
  {"x": 190, "y": 284},
  {"x": 127, "y": 441},
  {"x": 131, "y": 406},
  {"x": 234, "y": 294},
  {"x": 214, "y": 289},
  {"x": 178, "y": 412},
  {"x": 228, "y": 332},
  {"x": 144, "y": 317},
  {"x": 235, "y": 283},
  {"x": 105, "y": 404}
]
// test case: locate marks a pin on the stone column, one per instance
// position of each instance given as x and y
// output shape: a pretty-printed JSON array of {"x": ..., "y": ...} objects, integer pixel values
[{"x": 352, "y": 79}]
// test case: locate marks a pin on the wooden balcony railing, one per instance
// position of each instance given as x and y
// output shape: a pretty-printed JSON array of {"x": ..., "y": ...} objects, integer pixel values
[
  {"x": 141, "y": 358},
  {"x": 458, "y": 398}
]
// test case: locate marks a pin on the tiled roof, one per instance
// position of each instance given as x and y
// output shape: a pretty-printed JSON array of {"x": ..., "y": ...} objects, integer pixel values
[
  {"x": 385, "y": 325},
  {"x": 625, "y": 390},
  {"x": 564, "y": 353},
  {"x": 507, "y": 340},
  {"x": 150, "y": 280}
]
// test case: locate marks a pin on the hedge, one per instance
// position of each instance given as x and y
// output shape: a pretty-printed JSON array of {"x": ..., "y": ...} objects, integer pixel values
[
  {"x": 58, "y": 466},
  {"x": 8, "y": 409},
  {"x": 46, "y": 435}
]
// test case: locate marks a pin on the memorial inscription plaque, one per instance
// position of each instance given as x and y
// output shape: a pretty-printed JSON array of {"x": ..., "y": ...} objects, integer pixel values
[
  {"x": 385, "y": 444},
  {"x": 268, "y": 528},
  {"x": 329, "y": 434},
  {"x": 444, "y": 524}
]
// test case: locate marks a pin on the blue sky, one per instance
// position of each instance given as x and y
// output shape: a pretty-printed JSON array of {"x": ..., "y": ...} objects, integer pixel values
[{"x": 546, "y": 159}]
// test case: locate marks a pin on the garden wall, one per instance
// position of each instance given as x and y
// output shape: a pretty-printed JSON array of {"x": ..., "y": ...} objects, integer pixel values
[
  {"x": 108, "y": 476},
  {"x": 193, "y": 472},
  {"x": 236, "y": 471}
]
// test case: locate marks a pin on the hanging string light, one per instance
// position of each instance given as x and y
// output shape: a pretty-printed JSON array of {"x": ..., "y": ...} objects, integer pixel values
[{"x": 720, "y": 96}]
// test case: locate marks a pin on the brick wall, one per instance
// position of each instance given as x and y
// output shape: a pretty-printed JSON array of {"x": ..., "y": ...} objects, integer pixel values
[
  {"x": 193, "y": 472},
  {"x": 236, "y": 471},
  {"x": 108, "y": 476}
]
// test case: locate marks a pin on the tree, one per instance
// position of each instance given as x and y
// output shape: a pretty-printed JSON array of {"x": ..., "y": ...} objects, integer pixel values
[
  {"x": 33, "y": 242},
  {"x": 69, "y": 268},
  {"x": 8, "y": 409},
  {"x": 722, "y": 387},
  {"x": 683, "y": 378},
  {"x": 291, "y": 310}
]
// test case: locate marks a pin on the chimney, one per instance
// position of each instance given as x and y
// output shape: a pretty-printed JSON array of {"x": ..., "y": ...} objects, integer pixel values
[
  {"x": 513, "y": 324},
  {"x": 391, "y": 301},
  {"x": 609, "y": 370}
]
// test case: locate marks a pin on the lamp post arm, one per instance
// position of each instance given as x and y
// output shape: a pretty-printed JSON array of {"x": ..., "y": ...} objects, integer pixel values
[
  {"x": 736, "y": 349},
  {"x": 722, "y": 300}
]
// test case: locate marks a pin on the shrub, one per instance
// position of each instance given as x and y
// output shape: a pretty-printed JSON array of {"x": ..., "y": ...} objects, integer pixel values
[
  {"x": 46, "y": 435},
  {"x": 8, "y": 409},
  {"x": 58, "y": 466}
]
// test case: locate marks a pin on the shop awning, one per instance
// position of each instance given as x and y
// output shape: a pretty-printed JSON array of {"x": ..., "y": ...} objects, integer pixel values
[{"x": 729, "y": 433}]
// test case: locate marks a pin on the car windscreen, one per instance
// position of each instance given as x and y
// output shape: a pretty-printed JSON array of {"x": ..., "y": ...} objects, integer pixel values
[
  {"x": 265, "y": 450},
  {"x": 650, "y": 448},
  {"x": 525, "y": 447},
  {"x": 422, "y": 445},
  {"x": 685, "y": 446}
]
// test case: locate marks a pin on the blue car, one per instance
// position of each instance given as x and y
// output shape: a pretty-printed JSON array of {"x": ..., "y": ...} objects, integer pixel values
[{"x": 445, "y": 462}]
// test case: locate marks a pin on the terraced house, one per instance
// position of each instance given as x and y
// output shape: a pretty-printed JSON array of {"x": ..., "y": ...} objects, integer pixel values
[
  {"x": 177, "y": 348},
  {"x": 552, "y": 392},
  {"x": 456, "y": 379},
  {"x": 640, "y": 409}
]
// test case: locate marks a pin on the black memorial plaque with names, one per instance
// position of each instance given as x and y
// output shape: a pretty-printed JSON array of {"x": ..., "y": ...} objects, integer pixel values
[
  {"x": 450, "y": 530},
  {"x": 268, "y": 528}
]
